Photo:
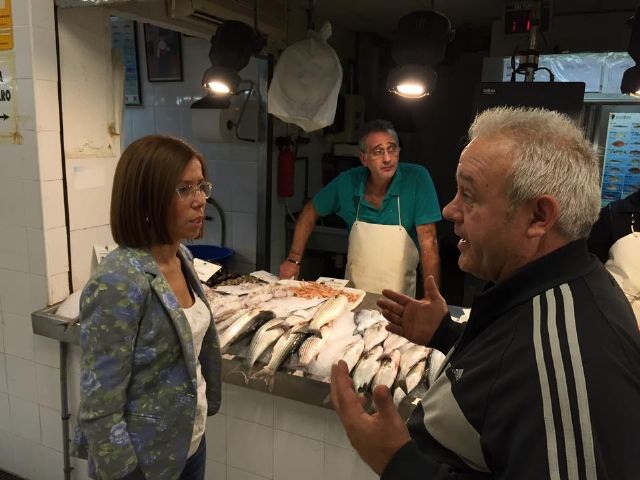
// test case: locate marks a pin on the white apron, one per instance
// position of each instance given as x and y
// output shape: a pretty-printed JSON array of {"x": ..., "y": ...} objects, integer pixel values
[
  {"x": 624, "y": 266},
  {"x": 382, "y": 256}
]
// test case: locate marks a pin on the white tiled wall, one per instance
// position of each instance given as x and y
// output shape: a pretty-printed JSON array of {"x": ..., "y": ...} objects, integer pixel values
[
  {"x": 33, "y": 252},
  {"x": 233, "y": 167},
  {"x": 91, "y": 150}
]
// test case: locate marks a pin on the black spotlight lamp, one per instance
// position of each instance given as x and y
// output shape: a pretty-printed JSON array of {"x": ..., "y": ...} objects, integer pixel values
[
  {"x": 232, "y": 46},
  {"x": 419, "y": 44},
  {"x": 630, "y": 84}
]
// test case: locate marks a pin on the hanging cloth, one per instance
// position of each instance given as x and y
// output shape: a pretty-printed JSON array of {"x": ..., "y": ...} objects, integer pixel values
[{"x": 624, "y": 266}]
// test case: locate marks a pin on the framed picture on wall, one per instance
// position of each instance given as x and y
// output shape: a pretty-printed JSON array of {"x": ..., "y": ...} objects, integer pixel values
[
  {"x": 124, "y": 37},
  {"x": 164, "y": 54}
]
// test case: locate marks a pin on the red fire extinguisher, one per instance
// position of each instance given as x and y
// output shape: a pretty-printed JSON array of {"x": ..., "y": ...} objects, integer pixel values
[{"x": 286, "y": 164}]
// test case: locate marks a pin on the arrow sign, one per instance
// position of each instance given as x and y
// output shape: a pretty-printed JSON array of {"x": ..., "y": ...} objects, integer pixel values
[{"x": 8, "y": 107}]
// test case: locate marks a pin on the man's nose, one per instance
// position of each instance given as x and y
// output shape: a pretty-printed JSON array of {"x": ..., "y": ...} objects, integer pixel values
[{"x": 451, "y": 211}]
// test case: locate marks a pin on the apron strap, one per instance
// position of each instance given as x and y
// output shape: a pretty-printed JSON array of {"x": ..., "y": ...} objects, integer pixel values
[
  {"x": 633, "y": 223},
  {"x": 358, "y": 209},
  {"x": 399, "y": 217}
]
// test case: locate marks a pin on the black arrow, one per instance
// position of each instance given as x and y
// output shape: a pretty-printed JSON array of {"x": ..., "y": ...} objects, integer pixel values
[{"x": 4, "y": 116}]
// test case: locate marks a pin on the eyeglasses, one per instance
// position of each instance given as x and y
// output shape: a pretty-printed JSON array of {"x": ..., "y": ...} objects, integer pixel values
[
  {"x": 379, "y": 152},
  {"x": 188, "y": 191}
]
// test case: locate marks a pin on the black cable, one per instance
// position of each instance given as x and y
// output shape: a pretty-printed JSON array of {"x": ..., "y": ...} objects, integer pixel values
[{"x": 551, "y": 75}]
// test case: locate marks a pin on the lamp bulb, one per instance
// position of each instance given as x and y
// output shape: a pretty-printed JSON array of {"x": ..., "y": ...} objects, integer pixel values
[
  {"x": 413, "y": 90},
  {"x": 218, "y": 88}
]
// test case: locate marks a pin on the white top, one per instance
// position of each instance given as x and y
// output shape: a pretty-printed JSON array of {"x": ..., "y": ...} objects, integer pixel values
[{"x": 199, "y": 320}]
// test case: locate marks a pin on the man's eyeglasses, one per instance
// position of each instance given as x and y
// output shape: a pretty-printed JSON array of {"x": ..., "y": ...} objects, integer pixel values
[
  {"x": 188, "y": 191},
  {"x": 379, "y": 152}
]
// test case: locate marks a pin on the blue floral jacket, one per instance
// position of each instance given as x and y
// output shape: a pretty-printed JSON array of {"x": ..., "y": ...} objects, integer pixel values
[{"x": 138, "y": 381}]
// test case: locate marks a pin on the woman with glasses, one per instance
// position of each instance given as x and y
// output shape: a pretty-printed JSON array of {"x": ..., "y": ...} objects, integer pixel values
[
  {"x": 151, "y": 367},
  {"x": 390, "y": 209}
]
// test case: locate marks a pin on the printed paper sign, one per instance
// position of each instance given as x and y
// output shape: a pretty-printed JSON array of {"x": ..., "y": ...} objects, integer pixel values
[
  {"x": 8, "y": 109},
  {"x": 204, "y": 269},
  {"x": 6, "y": 29}
]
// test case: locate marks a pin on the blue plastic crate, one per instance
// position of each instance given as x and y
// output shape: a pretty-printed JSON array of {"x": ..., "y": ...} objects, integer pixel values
[{"x": 213, "y": 253}]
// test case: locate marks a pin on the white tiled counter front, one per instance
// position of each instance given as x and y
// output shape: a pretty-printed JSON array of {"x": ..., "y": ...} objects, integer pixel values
[{"x": 261, "y": 436}]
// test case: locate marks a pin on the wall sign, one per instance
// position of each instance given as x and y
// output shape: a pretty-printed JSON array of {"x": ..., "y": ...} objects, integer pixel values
[
  {"x": 8, "y": 109},
  {"x": 124, "y": 37},
  {"x": 6, "y": 26},
  {"x": 621, "y": 168}
]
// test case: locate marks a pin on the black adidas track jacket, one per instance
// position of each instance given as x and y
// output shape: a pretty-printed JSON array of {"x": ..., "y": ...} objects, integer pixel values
[{"x": 543, "y": 382}]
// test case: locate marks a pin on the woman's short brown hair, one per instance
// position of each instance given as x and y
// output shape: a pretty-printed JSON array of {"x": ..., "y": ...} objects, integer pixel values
[{"x": 144, "y": 185}]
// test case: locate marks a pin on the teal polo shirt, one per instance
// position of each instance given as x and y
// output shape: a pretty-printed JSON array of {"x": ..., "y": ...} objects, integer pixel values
[{"x": 412, "y": 183}]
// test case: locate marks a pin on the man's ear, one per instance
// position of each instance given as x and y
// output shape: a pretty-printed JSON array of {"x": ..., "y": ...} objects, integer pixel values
[
  {"x": 362, "y": 160},
  {"x": 545, "y": 212}
]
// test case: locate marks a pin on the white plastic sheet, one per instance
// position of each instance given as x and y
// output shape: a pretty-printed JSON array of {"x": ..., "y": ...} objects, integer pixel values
[
  {"x": 601, "y": 71},
  {"x": 306, "y": 82}
]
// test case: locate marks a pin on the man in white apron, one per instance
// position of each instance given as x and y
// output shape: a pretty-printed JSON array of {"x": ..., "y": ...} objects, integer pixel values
[
  {"x": 391, "y": 209},
  {"x": 615, "y": 239}
]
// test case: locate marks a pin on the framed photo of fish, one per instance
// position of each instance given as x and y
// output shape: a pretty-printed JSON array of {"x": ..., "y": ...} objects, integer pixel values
[{"x": 164, "y": 54}]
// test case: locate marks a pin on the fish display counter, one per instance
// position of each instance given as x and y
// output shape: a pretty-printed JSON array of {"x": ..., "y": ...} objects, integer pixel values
[
  {"x": 283, "y": 339},
  {"x": 308, "y": 333},
  {"x": 289, "y": 384}
]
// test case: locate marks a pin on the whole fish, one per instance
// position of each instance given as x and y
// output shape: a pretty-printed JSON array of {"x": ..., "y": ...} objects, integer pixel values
[
  {"x": 352, "y": 353},
  {"x": 266, "y": 336},
  {"x": 218, "y": 300},
  {"x": 281, "y": 292},
  {"x": 410, "y": 357},
  {"x": 406, "y": 347},
  {"x": 398, "y": 396},
  {"x": 252, "y": 300},
  {"x": 415, "y": 375},
  {"x": 227, "y": 322},
  {"x": 294, "y": 320},
  {"x": 366, "y": 318},
  {"x": 226, "y": 310},
  {"x": 436, "y": 359},
  {"x": 287, "y": 344},
  {"x": 366, "y": 368},
  {"x": 308, "y": 313},
  {"x": 312, "y": 346},
  {"x": 393, "y": 342},
  {"x": 375, "y": 335},
  {"x": 247, "y": 323},
  {"x": 328, "y": 312},
  {"x": 388, "y": 371}
]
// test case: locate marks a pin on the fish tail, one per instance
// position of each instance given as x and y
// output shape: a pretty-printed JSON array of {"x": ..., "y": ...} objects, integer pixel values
[
  {"x": 245, "y": 370},
  {"x": 362, "y": 388},
  {"x": 267, "y": 375}
]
